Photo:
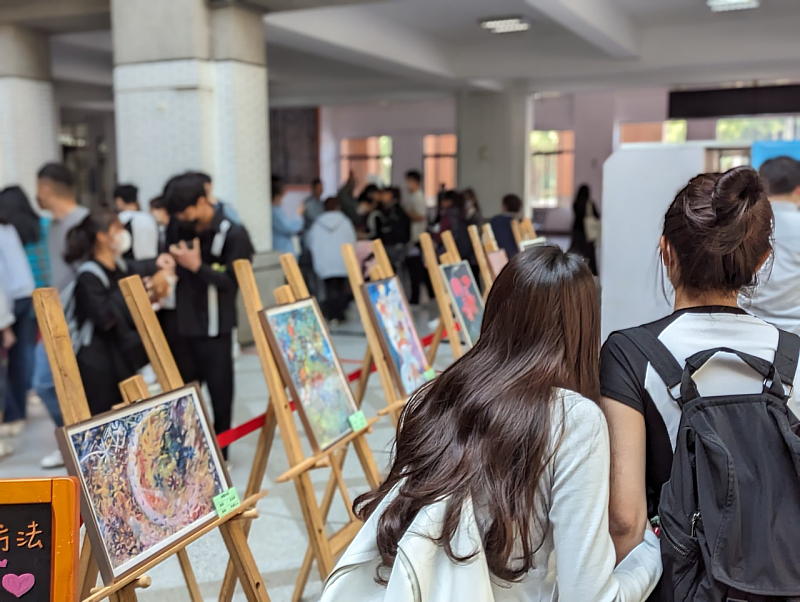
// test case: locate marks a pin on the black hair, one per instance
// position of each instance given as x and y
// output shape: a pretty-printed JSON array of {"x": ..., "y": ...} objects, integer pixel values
[
  {"x": 183, "y": 192},
  {"x": 333, "y": 204},
  {"x": 81, "y": 238},
  {"x": 413, "y": 174},
  {"x": 199, "y": 174},
  {"x": 512, "y": 203},
  {"x": 368, "y": 190},
  {"x": 277, "y": 185},
  {"x": 781, "y": 175},
  {"x": 58, "y": 173},
  {"x": 157, "y": 203},
  {"x": 127, "y": 192},
  {"x": 316, "y": 182},
  {"x": 15, "y": 209}
]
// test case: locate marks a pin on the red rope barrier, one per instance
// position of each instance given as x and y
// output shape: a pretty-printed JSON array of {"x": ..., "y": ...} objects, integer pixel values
[{"x": 236, "y": 433}]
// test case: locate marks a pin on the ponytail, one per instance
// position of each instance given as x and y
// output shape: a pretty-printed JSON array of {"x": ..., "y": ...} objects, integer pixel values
[{"x": 81, "y": 238}]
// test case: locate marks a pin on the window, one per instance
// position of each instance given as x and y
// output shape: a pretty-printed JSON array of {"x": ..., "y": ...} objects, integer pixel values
[
  {"x": 553, "y": 168},
  {"x": 670, "y": 132},
  {"x": 370, "y": 159},
  {"x": 748, "y": 129},
  {"x": 440, "y": 157}
]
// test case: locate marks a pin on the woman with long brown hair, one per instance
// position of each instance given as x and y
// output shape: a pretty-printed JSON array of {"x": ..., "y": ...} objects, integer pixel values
[{"x": 502, "y": 464}]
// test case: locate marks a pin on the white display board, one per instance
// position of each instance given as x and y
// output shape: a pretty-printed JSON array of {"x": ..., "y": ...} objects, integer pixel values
[{"x": 639, "y": 183}]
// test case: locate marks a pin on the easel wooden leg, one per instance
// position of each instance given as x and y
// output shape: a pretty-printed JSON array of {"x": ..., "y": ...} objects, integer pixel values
[
  {"x": 242, "y": 558},
  {"x": 188, "y": 575},
  {"x": 366, "y": 370},
  {"x": 367, "y": 462},
  {"x": 257, "y": 473},
  {"x": 315, "y": 525},
  {"x": 437, "y": 340},
  {"x": 88, "y": 571},
  {"x": 126, "y": 594}
]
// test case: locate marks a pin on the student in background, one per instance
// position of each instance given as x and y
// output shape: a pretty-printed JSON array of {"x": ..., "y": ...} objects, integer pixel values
[
  {"x": 158, "y": 211},
  {"x": 392, "y": 226},
  {"x": 7, "y": 341},
  {"x": 501, "y": 224},
  {"x": 777, "y": 298},
  {"x": 347, "y": 196},
  {"x": 312, "y": 209},
  {"x": 284, "y": 228},
  {"x": 16, "y": 210},
  {"x": 330, "y": 231},
  {"x": 417, "y": 210},
  {"x": 115, "y": 352},
  {"x": 228, "y": 210},
  {"x": 585, "y": 227},
  {"x": 472, "y": 208},
  {"x": 205, "y": 248},
  {"x": 140, "y": 225},
  {"x": 716, "y": 236},
  {"x": 16, "y": 280},
  {"x": 530, "y": 483},
  {"x": 55, "y": 193}
]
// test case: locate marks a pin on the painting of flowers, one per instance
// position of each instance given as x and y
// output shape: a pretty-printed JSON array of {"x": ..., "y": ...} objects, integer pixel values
[
  {"x": 399, "y": 339},
  {"x": 309, "y": 365},
  {"x": 465, "y": 298},
  {"x": 149, "y": 473}
]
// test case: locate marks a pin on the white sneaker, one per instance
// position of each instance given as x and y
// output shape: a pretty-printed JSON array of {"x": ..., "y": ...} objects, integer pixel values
[
  {"x": 54, "y": 460},
  {"x": 12, "y": 429},
  {"x": 5, "y": 450}
]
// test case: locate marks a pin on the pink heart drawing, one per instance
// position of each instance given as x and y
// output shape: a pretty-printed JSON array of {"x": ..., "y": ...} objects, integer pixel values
[
  {"x": 3, "y": 563},
  {"x": 18, "y": 585}
]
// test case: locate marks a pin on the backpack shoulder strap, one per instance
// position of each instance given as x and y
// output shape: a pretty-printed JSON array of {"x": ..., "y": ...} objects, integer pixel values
[
  {"x": 786, "y": 357},
  {"x": 661, "y": 358},
  {"x": 93, "y": 268},
  {"x": 218, "y": 244}
]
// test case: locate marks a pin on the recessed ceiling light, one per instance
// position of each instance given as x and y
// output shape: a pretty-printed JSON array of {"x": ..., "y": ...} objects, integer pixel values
[
  {"x": 506, "y": 25},
  {"x": 719, "y": 6}
]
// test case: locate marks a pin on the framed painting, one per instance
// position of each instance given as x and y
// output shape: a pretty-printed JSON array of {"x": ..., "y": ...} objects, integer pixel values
[
  {"x": 497, "y": 261},
  {"x": 466, "y": 299},
  {"x": 398, "y": 335},
  {"x": 149, "y": 473},
  {"x": 309, "y": 365},
  {"x": 533, "y": 242}
]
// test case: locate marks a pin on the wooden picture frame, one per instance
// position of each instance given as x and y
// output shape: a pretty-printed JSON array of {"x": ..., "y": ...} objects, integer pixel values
[
  {"x": 389, "y": 348},
  {"x": 110, "y": 570},
  {"x": 61, "y": 494},
  {"x": 312, "y": 430},
  {"x": 497, "y": 261},
  {"x": 463, "y": 267}
]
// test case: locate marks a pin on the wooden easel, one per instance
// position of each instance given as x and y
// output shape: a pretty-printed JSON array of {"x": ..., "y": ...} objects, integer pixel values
[
  {"x": 528, "y": 231},
  {"x": 446, "y": 319},
  {"x": 75, "y": 408},
  {"x": 322, "y": 548},
  {"x": 169, "y": 378},
  {"x": 483, "y": 262},
  {"x": 375, "y": 353}
]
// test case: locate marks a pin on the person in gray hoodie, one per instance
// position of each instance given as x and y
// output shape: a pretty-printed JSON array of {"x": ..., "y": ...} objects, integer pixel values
[{"x": 329, "y": 232}]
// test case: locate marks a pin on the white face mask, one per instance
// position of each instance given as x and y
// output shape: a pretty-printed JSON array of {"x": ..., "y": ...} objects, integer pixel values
[{"x": 122, "y": 243}]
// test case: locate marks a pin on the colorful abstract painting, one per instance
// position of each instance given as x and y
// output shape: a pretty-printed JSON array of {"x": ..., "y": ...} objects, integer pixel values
[
  {"x": 149, "y": 474},
  {"x": 497, "y": 261},
  {"x": 400, "y": 340},
  {"x": 309, "y": 363},
  {"x": 466, "y": 299}
]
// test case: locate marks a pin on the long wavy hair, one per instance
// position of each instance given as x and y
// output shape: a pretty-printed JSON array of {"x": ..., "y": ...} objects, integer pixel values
[{"x": 483, "y": 428}]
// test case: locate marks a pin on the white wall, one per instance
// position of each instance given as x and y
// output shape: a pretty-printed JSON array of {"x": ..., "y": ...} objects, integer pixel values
[
  {"x": 640, "y": 182},
  {"x": 407, "y": 124}
]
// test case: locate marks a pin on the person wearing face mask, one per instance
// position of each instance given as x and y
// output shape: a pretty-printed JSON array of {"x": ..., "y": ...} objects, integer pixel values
[{"x": 114, "y": 351}]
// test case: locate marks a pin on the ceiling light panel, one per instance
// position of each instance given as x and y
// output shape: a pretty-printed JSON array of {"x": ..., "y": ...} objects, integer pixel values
[
  {"x": 728, "y": 5},
  {"x": 506, "y": 25}
]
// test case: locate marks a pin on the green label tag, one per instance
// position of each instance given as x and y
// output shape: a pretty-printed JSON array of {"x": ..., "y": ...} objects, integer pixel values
[
  {"x": 430, "y": 374},
  {"x": 227, "y": 501},
  {"x": 357, "y": 421}
]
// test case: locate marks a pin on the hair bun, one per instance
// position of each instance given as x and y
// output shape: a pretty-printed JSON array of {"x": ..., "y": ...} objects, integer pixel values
[{"x": 739, "y": 184}]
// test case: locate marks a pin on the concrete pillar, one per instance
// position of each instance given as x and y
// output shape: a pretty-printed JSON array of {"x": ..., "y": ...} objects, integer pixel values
[
  {"x": 494, "y": 144},
  {"x": 28, "y": 115},
  {"x": 190, "y": 93}
]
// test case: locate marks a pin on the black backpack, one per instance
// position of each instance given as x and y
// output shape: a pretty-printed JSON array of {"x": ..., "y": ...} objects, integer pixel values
[{"x": 730, "y": 513}]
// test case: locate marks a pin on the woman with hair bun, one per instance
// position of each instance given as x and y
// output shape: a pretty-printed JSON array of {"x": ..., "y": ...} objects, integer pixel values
[{"x": 717, "y": 235}]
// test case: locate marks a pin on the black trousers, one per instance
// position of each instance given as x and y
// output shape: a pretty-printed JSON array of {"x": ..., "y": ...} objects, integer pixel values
[
  {"x": 209, "y": 361},
  {"x": 419, "y": 276},
  {"x": 337, "y": 298}
]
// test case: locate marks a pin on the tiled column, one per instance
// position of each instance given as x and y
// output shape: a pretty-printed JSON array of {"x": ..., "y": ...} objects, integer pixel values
[
  {"x": 190, "y": 91},
  {"x": 28, "y": 116}
]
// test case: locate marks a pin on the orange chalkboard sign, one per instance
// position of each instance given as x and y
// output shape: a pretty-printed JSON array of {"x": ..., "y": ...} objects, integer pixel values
[{"x": 39, "y": 539}]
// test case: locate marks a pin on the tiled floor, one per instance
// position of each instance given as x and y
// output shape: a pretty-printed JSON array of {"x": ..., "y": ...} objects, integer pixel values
[{"x": 278, "y": 538}]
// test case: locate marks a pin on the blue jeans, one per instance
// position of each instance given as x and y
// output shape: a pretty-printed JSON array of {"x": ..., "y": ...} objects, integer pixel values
[
  {"x": 21, "y": 360},
  {"x": 44, "y": 386}
]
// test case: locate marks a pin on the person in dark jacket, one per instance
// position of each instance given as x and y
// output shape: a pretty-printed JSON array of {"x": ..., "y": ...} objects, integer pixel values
[
  {"x": 393, "y": 226},
  {"x": 205, "y": 243},
  {"x": 583, "y": 242},
  {"x": 115, "y": 351},
  {"x": 501, "y": 224}
]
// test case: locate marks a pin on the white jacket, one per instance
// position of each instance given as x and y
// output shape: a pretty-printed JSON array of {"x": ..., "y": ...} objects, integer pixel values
[
  {"x": 575, "y": 562},
  {"x": 329, "y": 232}
]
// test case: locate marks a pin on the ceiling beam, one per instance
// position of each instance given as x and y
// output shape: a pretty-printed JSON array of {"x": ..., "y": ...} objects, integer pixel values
[
  {"x": 600, "y": 22},
  {"x": 34, "y": 10}
]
